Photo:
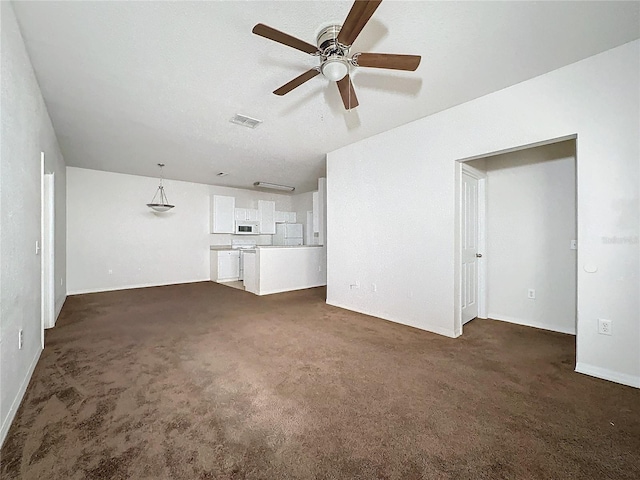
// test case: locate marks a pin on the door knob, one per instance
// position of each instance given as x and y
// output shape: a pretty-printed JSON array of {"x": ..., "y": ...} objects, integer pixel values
[{"x": 479, "y": 255}]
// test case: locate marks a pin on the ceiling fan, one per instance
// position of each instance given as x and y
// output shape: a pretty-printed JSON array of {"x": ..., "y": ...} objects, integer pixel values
[{"x": 333, "y": 45}]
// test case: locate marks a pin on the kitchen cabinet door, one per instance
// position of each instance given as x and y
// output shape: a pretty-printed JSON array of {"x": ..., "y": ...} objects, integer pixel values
[
  {"x": 250, "y": 273},
  {"x": 267, "y": 217},
  {"x": 241, "y": 214},
  {"x": 222, "y": 214},
  {"x": 252, "y": 214},
  {"x": 228, "y": 265},
  {"x": 246, "y": 214},
  {"x": 281, "y": 217}
]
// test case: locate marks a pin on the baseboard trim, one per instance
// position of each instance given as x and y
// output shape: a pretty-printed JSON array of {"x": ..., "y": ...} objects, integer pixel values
[
  {"x": 428, "y": 328},
  {"x": 527, "y": 323},
  {"x": 130, "y": 287},
  {"x": 271, "y": 292},
  {"x": 6, "y": 422},
  {"x": 606, "y": 374}
]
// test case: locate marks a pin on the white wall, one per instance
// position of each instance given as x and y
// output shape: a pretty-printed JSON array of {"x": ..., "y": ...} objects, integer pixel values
[
  {"x": 26, "y": 131},
  {"x": 407, "y": 176},
  {"x": 115, "y": 241},
  {"x": 531, "y": 220}
]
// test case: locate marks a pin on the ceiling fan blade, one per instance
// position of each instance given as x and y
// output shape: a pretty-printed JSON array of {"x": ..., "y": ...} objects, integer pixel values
[
  {"x": 296, "y": 82},
  {"x": 357, "y": 18},
  {"x": 347, "y": 93},
  {"x": 284, "y": 38},
  {"x": 386, "y": 60}
]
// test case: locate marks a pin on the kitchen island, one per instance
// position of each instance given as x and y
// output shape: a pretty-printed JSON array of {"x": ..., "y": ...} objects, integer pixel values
[{"x": 275, "y": 269}]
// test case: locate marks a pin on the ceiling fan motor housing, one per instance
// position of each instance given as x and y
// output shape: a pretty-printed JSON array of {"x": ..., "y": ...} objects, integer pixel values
[{"x": 333, "y": 55}]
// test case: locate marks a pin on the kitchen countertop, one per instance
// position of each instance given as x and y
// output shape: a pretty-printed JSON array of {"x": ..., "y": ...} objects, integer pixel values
[
  {"x": 229, "y": 247},
  {"x": 288, "y": 246}
]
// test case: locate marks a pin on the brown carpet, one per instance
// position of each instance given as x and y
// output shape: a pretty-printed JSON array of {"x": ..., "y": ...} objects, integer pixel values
[{"x": 203, "y": 381}]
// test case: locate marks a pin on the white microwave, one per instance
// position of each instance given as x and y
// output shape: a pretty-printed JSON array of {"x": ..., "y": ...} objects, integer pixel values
[{"x": 247, "y": 228}]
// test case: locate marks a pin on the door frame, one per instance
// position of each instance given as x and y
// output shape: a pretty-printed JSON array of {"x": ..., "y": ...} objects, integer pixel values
[
  {"x": 47, "y": 254},
  {"x": 482, "y": 242}
]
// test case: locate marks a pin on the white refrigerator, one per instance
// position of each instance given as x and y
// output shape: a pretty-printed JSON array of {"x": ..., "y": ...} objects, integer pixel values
[{"x": 288, "y": 234}]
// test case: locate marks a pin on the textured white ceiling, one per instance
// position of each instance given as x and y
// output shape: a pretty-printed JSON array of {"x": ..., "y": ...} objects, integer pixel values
[{"x": 131, "y": 84}]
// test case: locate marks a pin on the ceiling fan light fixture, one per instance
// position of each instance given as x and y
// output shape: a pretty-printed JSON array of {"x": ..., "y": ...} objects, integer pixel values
[{"x": 334, "y": 68}]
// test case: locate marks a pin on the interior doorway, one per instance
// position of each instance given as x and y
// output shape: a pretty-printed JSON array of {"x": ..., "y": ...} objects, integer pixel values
[
  {"x": 522, "y": 231},
  {"x": 47, "y": 258},
  {"x": 472, "y": 239}
]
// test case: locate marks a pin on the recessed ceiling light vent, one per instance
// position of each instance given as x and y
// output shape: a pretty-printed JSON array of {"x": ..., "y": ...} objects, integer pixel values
[
  {"x": 222, "y": 174},
  {"x": 245, "y": 121}
]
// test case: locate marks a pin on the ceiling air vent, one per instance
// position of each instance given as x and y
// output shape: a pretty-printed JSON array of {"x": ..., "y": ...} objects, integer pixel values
[{"x": 246, "y": 121}]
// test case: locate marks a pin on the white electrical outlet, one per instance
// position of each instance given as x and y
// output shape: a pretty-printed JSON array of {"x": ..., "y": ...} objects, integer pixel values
[
  {"x": 374, "y": 287},
  {"x": 531, "y": 294},
  {"x": 20, "y": 339},
  {"x": 604, "y": 326},
  {"x": 110, "y": 272}
]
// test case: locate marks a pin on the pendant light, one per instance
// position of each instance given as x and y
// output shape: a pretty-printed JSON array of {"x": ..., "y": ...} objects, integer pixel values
[{"x": 162, "y": 205}]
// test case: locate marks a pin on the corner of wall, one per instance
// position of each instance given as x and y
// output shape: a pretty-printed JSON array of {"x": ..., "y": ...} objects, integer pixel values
[{"x": 59, "y": 305}]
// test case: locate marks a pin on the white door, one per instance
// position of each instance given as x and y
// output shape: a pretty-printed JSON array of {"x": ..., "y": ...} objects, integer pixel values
[{"x": 469, "y": 243}]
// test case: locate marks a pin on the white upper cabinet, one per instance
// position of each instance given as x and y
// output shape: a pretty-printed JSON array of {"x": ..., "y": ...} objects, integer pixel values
[
  {"x": 252, "y": 214},
  {"x": 285, "y": 217},
  {"x": 246, "y": 214},
  {"x": 267, "y": 217},
  {"x": 281, "y": 217},
  {"x": 222, "y": 214},
  {"x": 241, "y": 214}
]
